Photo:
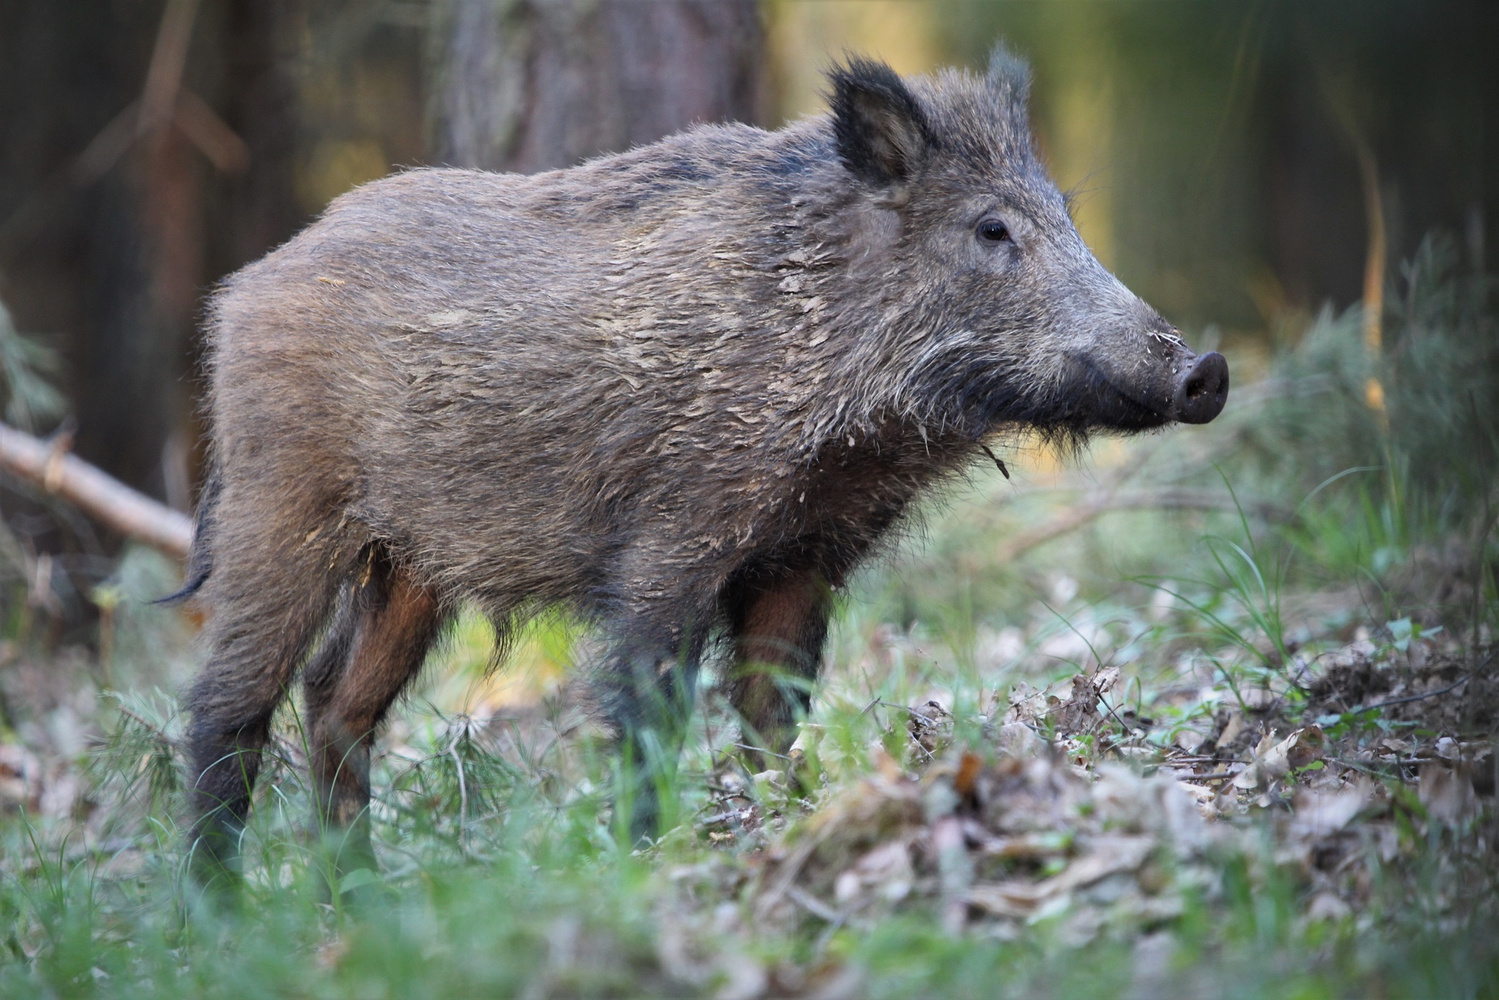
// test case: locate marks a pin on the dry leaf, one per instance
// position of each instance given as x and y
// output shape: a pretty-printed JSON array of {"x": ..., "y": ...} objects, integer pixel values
[
  {"x": 1189, "y": 740},
  {"x": 1231, "y": 729},
  {"x": 1020, "y": 740},
  {"x": 1318, "y": 814},
  {"x": 1447, "y": 793},
  {"x": 1298, "y": 750}
]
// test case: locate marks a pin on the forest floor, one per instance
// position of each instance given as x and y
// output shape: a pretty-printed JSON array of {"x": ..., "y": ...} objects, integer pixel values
[{"x": 1219, "y": 784}]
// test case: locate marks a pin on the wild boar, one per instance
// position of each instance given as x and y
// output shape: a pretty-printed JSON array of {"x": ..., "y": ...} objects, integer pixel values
[{"x": 682, "y": 391}]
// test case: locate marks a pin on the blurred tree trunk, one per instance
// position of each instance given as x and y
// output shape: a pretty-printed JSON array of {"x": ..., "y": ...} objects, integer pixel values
[
  {"x": 529, "y": 85},
  {"x": 145, "y": 150},
  {"x": 114, "y": 219},
  {"x": 73, "y": 247}
]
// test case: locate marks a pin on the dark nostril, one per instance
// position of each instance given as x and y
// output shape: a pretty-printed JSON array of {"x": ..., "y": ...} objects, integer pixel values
[{"x": 1203, "y": 390}]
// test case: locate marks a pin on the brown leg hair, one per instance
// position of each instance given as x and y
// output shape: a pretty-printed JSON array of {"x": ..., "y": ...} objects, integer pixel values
[
  {"x": 779, "y": 633},
  {"x": 374, "y": 649}
]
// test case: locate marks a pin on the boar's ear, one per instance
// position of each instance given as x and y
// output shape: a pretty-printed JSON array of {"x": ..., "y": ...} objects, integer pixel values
[
  {"x": 1010, "y": 75},
  {"x": 881, "y": 131}
]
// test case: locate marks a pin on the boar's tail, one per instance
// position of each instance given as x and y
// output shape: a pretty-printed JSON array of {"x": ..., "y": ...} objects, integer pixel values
[{"x": 200, "y": 555}]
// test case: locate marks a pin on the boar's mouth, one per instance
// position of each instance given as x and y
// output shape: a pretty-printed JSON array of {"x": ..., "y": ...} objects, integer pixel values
[
  {"x": 1100, "y": 401},
  {"x": 1194, "y": 394},
  {"x": 1089, "y": 398}
]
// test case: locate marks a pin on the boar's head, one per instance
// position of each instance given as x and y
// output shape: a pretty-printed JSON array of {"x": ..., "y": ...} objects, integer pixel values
[{"x": 999, "y": 314}]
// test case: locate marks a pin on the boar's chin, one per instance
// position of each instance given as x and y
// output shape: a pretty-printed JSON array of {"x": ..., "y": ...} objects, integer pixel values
[{"x": 1084, "y": 405}]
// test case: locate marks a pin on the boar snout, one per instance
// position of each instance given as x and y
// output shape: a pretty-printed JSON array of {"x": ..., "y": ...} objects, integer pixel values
[{"x": 1201, "y": 390}]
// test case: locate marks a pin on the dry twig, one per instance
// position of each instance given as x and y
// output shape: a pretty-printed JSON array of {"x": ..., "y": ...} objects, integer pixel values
[
  {"x": 94, "y": 491},
  {"x": 1107, "y": 500}
]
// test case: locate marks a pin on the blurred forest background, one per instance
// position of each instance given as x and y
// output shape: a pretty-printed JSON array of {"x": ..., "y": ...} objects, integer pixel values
[
  {"x": 1232, "y": 157},
  {"x": 1301, "y": 597},
  {"x": 1239, "y": 163}
]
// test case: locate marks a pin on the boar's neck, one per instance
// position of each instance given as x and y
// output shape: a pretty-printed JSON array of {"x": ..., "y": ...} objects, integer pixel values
[{"x": 858, "y": 360}]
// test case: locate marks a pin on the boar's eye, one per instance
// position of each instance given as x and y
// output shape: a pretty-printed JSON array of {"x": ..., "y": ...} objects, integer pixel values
[{"x": 993, "y": 231}]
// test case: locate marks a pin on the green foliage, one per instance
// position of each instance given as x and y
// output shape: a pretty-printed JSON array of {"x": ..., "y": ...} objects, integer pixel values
[
  {"x": 1442, "y": 369},
  {"x": 1425, "y": 460},
  {"x": 28, "y": 371},
  {"x": 28, "y": 399}
]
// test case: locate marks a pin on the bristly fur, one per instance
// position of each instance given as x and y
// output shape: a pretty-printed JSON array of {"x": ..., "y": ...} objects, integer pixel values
[{"x": 680, "y": 390}]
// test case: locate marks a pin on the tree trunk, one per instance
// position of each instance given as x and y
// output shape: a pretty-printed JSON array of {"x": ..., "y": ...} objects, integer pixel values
[
  {"x": 529, "y": 85},
  {"x": 114, "y": 218},
  {"x": 125, "y": 134}
]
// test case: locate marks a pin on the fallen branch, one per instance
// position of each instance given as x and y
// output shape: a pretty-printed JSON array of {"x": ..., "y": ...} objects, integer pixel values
[
  {"x": 94, "y": 491},
  {"x": 1087, "y": 510}
]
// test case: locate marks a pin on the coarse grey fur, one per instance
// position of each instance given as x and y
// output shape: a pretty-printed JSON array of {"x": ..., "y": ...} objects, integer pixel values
[{"x": 680, "y": 390}]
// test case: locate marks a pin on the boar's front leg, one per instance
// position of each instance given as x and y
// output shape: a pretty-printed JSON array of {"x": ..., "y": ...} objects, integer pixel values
[
  {"x": 377, "y": 644},
  {"x": 779, "y": 629},
  {"x": 647, "y": 688}
]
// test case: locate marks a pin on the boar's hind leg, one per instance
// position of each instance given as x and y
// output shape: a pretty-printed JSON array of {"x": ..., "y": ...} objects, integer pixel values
[
  {"x": 778, "y": 637},
  {"x": 267, "y": 613},
  {"x": 375, "y": 647}
]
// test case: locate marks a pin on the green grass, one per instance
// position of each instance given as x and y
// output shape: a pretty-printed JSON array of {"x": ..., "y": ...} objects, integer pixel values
[{"x": 503, "y": 875}]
